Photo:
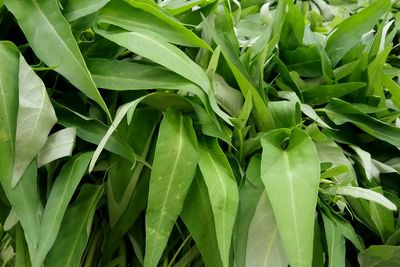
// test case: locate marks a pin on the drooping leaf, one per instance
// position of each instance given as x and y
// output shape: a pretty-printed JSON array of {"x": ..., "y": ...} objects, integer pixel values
[
  {"x": 173, "y": 169},
  {"x": 349, "y": 32},
  {"x": 321, "y": 94},
  {"x": 75, "y": 228},
  {"x": 60, "y": 195},
  {"x": 380, "y": 256},
  {"x": 158, "y": 50},
  {"x": 341, "y": 112},
  {"x": 58, "y": 145},
  {"x": 92, "y": 131},
  {"x": 292, "y": 156},
  {"x": 143, "y": 16},
  {"x": 359, "y": 192},
  {"x": 46, "y": 29},
  {"x": 223, "y": 192},
  {"x": 36, "y": 117},
  {"x": 76, "y": 9}
]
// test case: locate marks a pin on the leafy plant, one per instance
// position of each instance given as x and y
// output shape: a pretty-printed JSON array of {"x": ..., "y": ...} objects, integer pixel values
[{"x": 199, "y": 133}]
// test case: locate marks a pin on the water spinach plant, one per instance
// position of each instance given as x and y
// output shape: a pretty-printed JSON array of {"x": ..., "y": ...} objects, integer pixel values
[{"x": 210, "y": 133}]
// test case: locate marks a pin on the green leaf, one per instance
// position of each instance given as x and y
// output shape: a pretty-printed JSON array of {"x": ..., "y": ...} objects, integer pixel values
[
  {"x": 359, "y": 192},
  {"x": 121, "y": 112},
  {"x": 335, "y": 242},
  {"x": 264, "y": 244},
  {"x": 292, "y": 156},
  {"x": 24, "y": 199},
  {"x": 341, "y": 112},
  {"x": 123, "y": 75},
  {"x": 173, "y": 169},
  {"x": 50, "y": 37},
  {"x": 382, "y": 217},
  {"x": 250, "y": 193},
  {"x": 36, "y": 117},
  {"x": 75, "y": 228},
  {"x": 60, "y": 144},
  {"x": 197, "y": 205},
  {"x": 348, "y": 33},
  {"x": 380, "y": 256},
  {"x": 321, "y": 94},
  {"x": 9, "y": 102},
  {"x": 223, "y": 193},
  {"x": 158, "y": 50},
  {"x": 60, "y": 195},
  {"x": 146, "y": 17},
  {"x": 122, "y": 179},
  {"x": 93, "y": 131},
  {"x": 75, "y": 9}
]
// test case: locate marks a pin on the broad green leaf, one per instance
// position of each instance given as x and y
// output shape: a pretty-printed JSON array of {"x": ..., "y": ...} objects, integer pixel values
[
  {"x": 60, "y": 195},
  {"x": 366, "y": 161},
  {"x": 123, "y": 75},
  {"x": 75, "y": 228},
  {"x": 264, "y": 244},
  {"x": 223, "y": 192},
  {"x": 76, "y": 9},
  {"x": 348, "y": 33},
  {"x": 341, "y": 112},
  {"x": 173, "y": 169},
  {"x": 286, "y": 114},
  {"x": 93, "y": 131},
  {"x": 321, "y": 94},
  {"x": 359, "y": 192},
  {"x": 335, "y": 243},
  {"x": 176, "y": 7},
  {"x": 380, "y": 256},
  {"x": 292, "y": 156},
  {"x": 142, "y": 16},
  {"x": 229, "y": 98},
  {"x": 197, "y": 205},
  {"x": 36, "y": 117},
  {"x": 9, "y": 102},
  {"x": 50, "y": 37},
  {"x": 158, "y": 50},
  {"x": 24, "y": 199},
  {"x": 60, "y": 144}
]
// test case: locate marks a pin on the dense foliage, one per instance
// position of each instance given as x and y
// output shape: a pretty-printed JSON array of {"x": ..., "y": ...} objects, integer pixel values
[{"x": 199, "y": 133}]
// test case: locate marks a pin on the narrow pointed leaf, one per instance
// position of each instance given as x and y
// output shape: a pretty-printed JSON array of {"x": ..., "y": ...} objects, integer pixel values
[
  {"x": 298, "y": 169},
  {"x": 75, "y": 228},
  {"x": 158, "y": 50},
  {"x": 197, "y": 205},
  {"x": 144, "y": 16},
  {"x": 60, "y": 195},
  {"x": 348, "y": 33},
  {"x": 173, "y": 169},
  {"x": 335, "y": 243},
  {"x": 380, "y": 256},
  {"x": 36, "y": 117},
  {"x": 341, "y": 112},
  {"x": 46, "y": 29},
  {"x": 223, "y": 193}
]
